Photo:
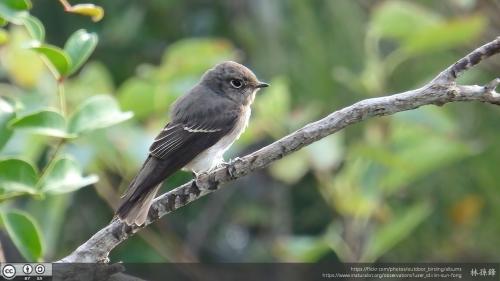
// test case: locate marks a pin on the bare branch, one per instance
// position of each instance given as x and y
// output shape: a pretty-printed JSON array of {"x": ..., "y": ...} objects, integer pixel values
[
  {"x": 441, "y": 90},
  {"x": 455, "y": 70}
]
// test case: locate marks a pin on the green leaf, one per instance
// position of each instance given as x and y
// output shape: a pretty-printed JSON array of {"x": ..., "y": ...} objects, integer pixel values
[
  {"x": 14, "y": 11},
  {"x": 388, "y": 235},
  {"x": 24, "y": 233},
  {"x": 400, "y": 20},
  {"x": 16, "y": 15},
  {"x": 91, "y": 10},
  {"x": 138, "y": 96},
  {"x": 58, "y": 61},
  {"x": 291, "y": 168},
  {"x": 327, "y": 153},
  {"x": 430, "y": 132},
  {"x": 45, "y": 122},
  {"x": 96, "y": 113},
  {"x": 302, "y": 248},
  {"x": 272, "y": 108},
  {"x": 182, "y": 64},
  {"x": 66, "y": 176},
  {"x": 79, "y": 47},
  {"x": 446, "y": 35},
  {"x": 187, "y": 59},
  {"x": 17, "y": 177},
  {"x": 34, "y": 26},
  {"x": 4, "y": 36},
  {"x": 6, "y": 115},
  {"x": 18, "y": 4},
  {"x": 23, "y": 66},
  {"x": 11, "y": 15}
]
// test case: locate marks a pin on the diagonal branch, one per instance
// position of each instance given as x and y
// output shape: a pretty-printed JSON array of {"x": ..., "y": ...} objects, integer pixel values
[{"x": 441, "y": 90}]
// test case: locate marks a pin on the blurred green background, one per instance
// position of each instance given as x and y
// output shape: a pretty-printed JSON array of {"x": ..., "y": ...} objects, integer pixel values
[{"x": 417, "y": 186}]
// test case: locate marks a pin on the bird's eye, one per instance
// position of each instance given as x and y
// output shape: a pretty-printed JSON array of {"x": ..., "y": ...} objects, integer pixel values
[{"x": 236, "y": 83}]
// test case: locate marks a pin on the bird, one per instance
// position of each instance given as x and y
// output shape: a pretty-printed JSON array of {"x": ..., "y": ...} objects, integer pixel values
[{"x": 204, "y": 123}]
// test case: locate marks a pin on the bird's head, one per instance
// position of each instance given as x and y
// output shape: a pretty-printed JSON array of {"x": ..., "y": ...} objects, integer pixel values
[{"x": 234, "y": 81}]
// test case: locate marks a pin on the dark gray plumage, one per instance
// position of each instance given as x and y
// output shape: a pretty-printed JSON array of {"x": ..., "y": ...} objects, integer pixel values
[{"x": 204, "y": 123}]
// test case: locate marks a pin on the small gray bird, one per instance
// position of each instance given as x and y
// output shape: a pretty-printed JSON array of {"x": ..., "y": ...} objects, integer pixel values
[{"x": 204, "y": 123}]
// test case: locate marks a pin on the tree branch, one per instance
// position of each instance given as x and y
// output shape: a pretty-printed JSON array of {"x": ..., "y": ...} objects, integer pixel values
[{"x": 441, "y": 90}]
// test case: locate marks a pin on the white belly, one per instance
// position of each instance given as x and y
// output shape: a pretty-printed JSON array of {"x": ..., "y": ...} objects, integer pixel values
[{"x": 212, "y": 156}]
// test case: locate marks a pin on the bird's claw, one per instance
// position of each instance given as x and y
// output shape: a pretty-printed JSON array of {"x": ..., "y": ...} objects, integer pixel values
[
  {"x": 231, "y": 170},
  {"x": 222, "y": 165},
  {"x": 199, "y": 174},
  {"x": 234, "y": 160}
]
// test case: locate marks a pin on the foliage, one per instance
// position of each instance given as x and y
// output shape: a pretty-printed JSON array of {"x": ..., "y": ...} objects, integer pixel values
[
  {"x": 61, "y": 174},
  {"x": 415, "y": 186}
]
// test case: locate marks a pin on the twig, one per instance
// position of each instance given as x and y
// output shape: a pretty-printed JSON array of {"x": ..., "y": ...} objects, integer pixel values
[
  {"x": 52, "y": 158},
  {"x": 62, "y": 96},
  {"x": 104, "y": 190},
  {"x": 439, "y": 91},
  {"x": 66, "y": 5}
]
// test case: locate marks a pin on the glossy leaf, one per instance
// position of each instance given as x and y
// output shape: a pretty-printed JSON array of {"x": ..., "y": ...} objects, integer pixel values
[
  {"x": 66, "y": 176},
  {"x": 18, "y": 16},
  {"x": 58, "y": 61},
  {"x": 79, "y": 47},
  {"x": 17, "y": 177},
  {"x": 23, "y": 66},
  {"x": 18, "y": 4},
  {"x": 6, "y": 115},
  {"x": 96, "y": 113},
  {"x": 25, "y": 233},
  {"x": 91, "y": 10},
  {"x": 49, "y": 123},
  {"x": 34, "y": 26},
  {"x": 11, "y": 15}
]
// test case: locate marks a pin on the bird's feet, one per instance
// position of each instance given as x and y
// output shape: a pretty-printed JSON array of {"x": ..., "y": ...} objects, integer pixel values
[
  {"x": 223, "y": 164},
  {"x": 229, "y": 166},
  {"x": 198, "y": 174}
]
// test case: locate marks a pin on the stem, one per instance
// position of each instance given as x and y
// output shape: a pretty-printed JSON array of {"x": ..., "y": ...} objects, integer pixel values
[
  {"x": 66, "y": 5},
  {"x": 51, "y": 159},
  {"x": 62, "y": 97},
  {"x": 60, "y": 142}
]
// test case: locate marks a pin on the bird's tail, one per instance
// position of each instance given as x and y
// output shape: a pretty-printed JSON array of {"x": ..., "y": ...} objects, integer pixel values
[{"x": 135, "y": 209}]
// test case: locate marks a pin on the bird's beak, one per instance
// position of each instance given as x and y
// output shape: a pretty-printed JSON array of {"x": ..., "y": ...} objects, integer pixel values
[{"x": 262, "y": 85}]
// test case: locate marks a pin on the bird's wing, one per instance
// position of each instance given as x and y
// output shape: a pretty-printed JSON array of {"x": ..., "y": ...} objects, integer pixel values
[
  {"x": 194, "y": 135},
  {"x": 176, "y": 145}
]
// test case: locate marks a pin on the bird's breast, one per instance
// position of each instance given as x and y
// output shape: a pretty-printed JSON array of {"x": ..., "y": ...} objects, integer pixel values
[{"x": 213, "y": 155}]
